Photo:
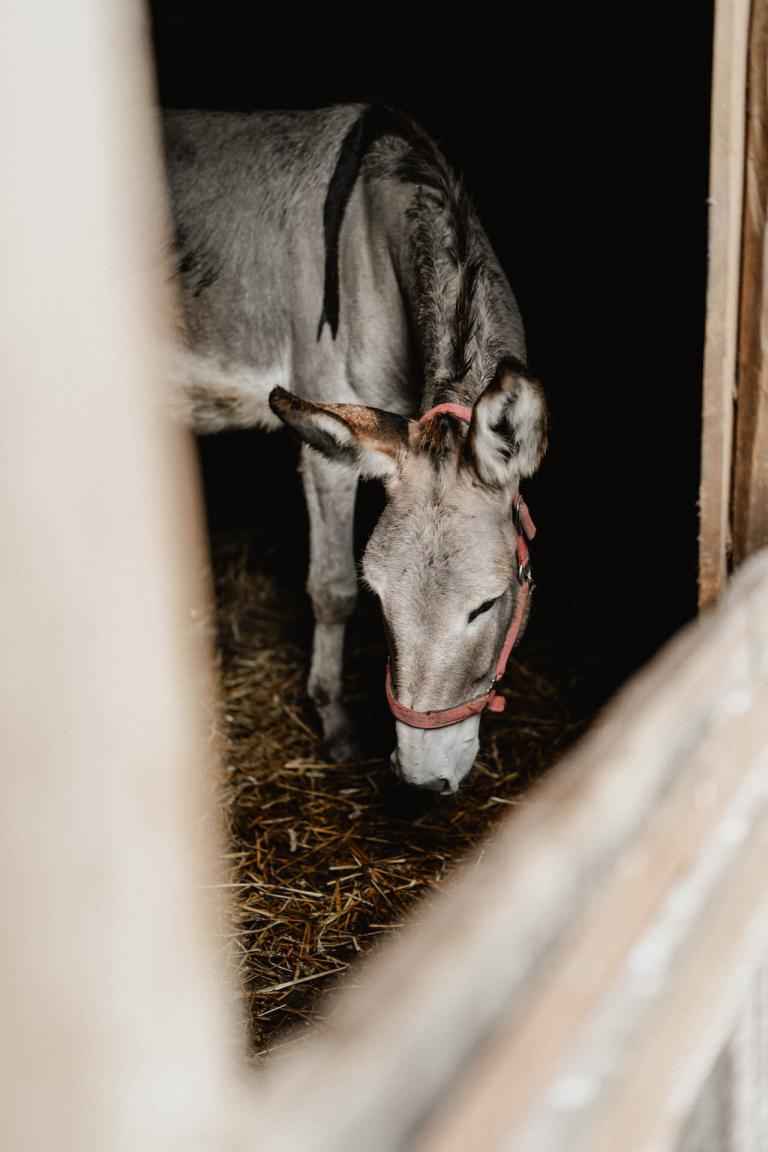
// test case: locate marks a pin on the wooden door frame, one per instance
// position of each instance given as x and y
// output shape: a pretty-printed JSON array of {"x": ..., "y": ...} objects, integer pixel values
[{"x": 733, "y": 498}]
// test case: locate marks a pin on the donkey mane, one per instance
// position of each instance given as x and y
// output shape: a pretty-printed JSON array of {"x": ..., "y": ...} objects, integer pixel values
[
  {"x": 448, "y": 266},
  {"x": 449, "y": 253}
]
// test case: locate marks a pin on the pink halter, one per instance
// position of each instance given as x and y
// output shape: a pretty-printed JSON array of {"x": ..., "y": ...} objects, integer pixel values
[{"x": 490, "y": 700}]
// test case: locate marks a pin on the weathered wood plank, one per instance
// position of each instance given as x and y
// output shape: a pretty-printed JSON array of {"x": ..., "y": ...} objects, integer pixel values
[
  {"x": 547, "y": 1079},
  {"x": 750, "y": 482},
  {"x": 113, "y": 1016},
  {"x": 426, "y": 1010},
  {"x": 725, "y": 211},
  {"x": 699, "y": 1007}
]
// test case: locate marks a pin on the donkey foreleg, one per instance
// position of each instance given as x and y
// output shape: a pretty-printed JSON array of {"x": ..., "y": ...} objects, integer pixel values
[{"x": 330, "y": 493}]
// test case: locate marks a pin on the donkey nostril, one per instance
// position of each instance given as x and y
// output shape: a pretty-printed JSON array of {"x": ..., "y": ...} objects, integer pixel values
[
  {"x": 440, "y": 784},
  {"x": 437, "y": 784}
]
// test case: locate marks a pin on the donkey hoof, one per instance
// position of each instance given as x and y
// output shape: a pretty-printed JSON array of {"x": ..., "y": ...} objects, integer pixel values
[
  {"x": 342, "y": 747},
  {"x": 339, "y": 742}
]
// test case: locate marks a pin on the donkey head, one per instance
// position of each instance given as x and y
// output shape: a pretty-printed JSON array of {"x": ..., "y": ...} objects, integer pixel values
[{"x": 442, "y": 559}]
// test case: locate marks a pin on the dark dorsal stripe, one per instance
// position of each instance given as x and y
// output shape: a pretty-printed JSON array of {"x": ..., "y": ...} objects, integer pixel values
[{"x": 375, "y": 122}]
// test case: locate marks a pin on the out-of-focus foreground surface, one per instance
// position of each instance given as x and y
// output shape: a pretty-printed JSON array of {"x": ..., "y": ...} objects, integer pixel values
[{"x": 113, "y": 1021}]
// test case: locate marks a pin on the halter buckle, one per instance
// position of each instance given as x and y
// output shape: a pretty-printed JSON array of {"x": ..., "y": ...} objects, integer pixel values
[
  {"x": 525, "y": 576},
  {"x": 521, "y": 518},
  {"x": 517, "y": 518}
]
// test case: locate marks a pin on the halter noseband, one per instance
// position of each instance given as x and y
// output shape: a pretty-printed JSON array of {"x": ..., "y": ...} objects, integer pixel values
[{"x": 490, "y": 700}]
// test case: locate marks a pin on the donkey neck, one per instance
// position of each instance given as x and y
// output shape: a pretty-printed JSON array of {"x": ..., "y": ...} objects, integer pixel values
[{"x": 462, "y": 308}]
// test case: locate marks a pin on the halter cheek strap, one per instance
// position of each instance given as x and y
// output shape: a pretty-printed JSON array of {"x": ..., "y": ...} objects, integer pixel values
[{"x": 489, "y": 701}]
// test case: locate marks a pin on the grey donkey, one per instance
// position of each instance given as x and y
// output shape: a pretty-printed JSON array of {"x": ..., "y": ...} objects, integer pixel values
[{"x": 334, "y": 253}]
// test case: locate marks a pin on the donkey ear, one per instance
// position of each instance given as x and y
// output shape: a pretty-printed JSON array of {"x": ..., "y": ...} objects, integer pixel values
[
  {"x": 368, "y": 439},
  {"x": 508, "y": 434}
]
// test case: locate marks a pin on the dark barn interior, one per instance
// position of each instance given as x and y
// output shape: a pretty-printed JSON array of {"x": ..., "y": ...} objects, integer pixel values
[{"x": 582, "y": 137}]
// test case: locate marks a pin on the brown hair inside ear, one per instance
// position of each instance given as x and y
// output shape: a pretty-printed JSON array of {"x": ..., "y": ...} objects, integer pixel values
[{"x": 368, "y": 438}]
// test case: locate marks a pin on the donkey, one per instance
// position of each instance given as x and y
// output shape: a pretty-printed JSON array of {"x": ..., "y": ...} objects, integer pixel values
[{"x": 335, "y": 253}]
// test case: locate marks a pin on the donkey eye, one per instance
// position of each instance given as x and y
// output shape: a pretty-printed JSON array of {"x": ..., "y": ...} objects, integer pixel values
[{"x": 484, "y": 607}]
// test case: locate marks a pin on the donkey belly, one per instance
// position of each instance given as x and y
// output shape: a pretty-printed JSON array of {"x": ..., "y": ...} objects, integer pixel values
[{"x": 216, "y": 392}]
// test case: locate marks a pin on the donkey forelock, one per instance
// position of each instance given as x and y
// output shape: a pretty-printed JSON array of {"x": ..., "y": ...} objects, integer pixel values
[{"x": 440, "y": 440}]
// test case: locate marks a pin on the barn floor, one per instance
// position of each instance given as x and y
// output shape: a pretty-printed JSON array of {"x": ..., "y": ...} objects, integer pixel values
[{"x": 327, "y": 858}]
